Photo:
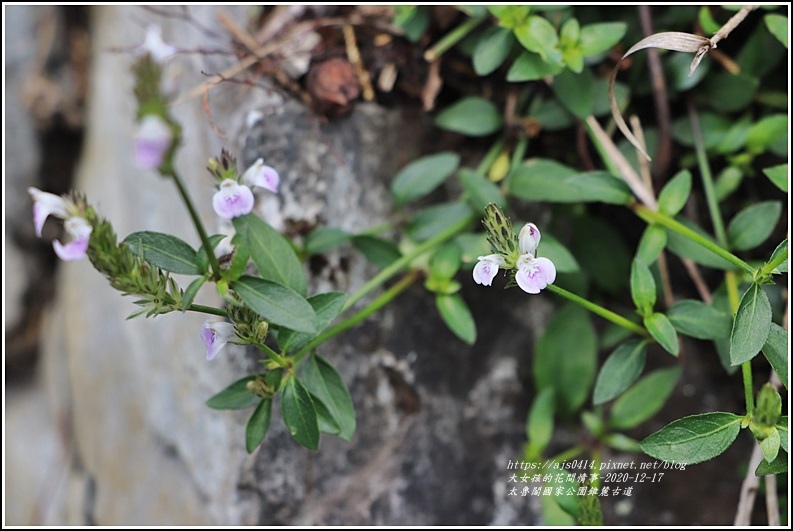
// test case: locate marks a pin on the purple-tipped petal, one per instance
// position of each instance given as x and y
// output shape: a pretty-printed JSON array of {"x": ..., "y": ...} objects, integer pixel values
[
  {"x": 529, "y": 239},
  {"x": 232, "y": 200},
  {"x": 261, "y": 175},
  {"x": 45, "y": 205},
  {"x": 487, "y": 269},
  {"x": 74, "y": 250},
  {"x": 215, "y": 335},
  {"x": 534, "y": 274},
  {"x": 152, "y": 140}
]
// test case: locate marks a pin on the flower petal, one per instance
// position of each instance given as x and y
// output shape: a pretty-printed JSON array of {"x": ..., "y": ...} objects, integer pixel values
[
  {"x": 152, "y": 140},
  {"x": 155, "y": 46},
  {"x": 261, "y": 175},
  {"x": 74, "y": 250},
  {"x": 46, "y": 204},
  {"x": 215, "y": 335},
  {"x": 534, "y": 274},
  {"x": 487, "y": 269},
  {"x": 529, "y": 239},
  {"x": 232, "y": 200}
]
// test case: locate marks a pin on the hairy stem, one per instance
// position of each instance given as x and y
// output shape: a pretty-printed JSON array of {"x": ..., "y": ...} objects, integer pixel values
[{"x": 213, "y": 261}]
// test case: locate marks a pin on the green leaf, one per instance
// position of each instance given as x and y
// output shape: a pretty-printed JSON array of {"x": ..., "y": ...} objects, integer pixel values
[
  {"x": 728, "y": 180},
  {"x": 728, "y": 92},
  {"x": 643, "y": 289},
  {"x": 277, "y": 304},
  {"x": 299, "y": 414},
  {"x": 575, "y": 92},
  {"x": 713, "y": 126},
  {"x": 472, "y": 116},
  {"x": 273, "y": 255},
  {"x": 700, "y": 320},
  {"x": 565, "y": 358},
  {"x": 602, "y": 254},
  {"x": 378, "y": 251},
  {"x": 600, "y": 186},
  {"x": 414, "y": 20},
  {"x": 422, "y": 176},
  {"x": 529, "y": 66},
  {"x": 235, "y": 396},
  {"x": 510, "y": 16},
  {"x": 539, "y": 423},
  {"x": 776, "y": 351},
  {"x": 651, "y": 244},
  {"x": 784, "y": 436},
  {"x": 769, "y": 134},
  {"x": 778, "y": 466},
  {"x": 770, "y": 445},
  {"x": 779, "y": 176},
  {"x": 491, "y": 50},
  {"x": 778, "y": 26},
  {"x": 327, "y": 385},
  {"x": 753, "y": 225},
  {"x": 546, "y": 180},
  {"x": 562, "y": 259},
  {"x": 538, "y": 35},
  {"x": 325, "y": 238},
  {"x": 191, "y": 292},
  {"x": 481, "y": 191},
  {"x": 258, "y": 425},
  {"x": 781, "y": 249},
  {"x": 621, "y": 442},
  {"x": 327, "y": 306},
  {"x": 686, "y": 248},
  {"x": 644, "y": 399},
  {"x": 706, "y": 20},
  {"x": 675, "y": 193},
  {"x": 599, "y": 38},
  {"x": 457, "y": 316},
  {"x": 662, "y": 331},
  {"x": 693, "y": 439},
  {"x": 619, "y": 371},
  {"x": 325, "y": 420},
  {"x": 434, "y": 219},
  {"x": 735, "y": 136},
  {"x": 751, "y": 327},
  {"x": 164, "y": 251},
  {"x": 446, "y": 261}
]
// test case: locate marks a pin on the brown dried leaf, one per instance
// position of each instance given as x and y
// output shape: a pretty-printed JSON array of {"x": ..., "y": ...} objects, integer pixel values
[{"x": 671, "y": 40}]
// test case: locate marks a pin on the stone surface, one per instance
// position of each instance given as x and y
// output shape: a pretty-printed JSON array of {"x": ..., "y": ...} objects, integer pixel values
[{"x": 437, "y": 420}]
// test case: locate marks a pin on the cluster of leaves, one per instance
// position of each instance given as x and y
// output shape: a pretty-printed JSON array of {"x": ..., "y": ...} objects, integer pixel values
[{"x": 742, "y": 131}]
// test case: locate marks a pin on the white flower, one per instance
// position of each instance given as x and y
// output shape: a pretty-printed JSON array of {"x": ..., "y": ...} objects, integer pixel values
[
  {"x": 215, "y": 335},
  {"x": 487, "y": 268},
  {"x": 232, "y": 200},
  {"x": 261, "y": 175},
  {"x": 155, "y": 46}
]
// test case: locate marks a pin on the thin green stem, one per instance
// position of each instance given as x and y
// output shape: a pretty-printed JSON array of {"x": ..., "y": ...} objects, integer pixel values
[
  {"x": 746, "y": 372},
  {"x": 570, "y": 453},
  {"x": 707, "y": 177},
  {"x": 768, "y": 268},
  {"x": 651, "y": 216},
  {"x": 386, "y": 297},
  {"x": 452, "y": 38},
  {"x": 599, "y": 310},
  {"x": 490, "y": 157},
  {"x": 394, "y": 268},
  {"x": 273, "y": 355},
  {"x": 519, "y": 152},
  {"x": 207, "y": 309},
  {"x": 213, "y": 261}
]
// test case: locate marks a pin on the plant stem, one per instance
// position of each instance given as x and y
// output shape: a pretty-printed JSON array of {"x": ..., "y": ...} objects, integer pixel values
[
  {"x": 213, "y": 261},
  {"x": 386, "y": 297},
  {"x": 771, "y": 265},
  {"x": 278, "y": 359},
  {"x": 207, "y": 309},
  {"x": 707, "y": 177},
  {"x": 490, "y": 157},
  {"x": 746, "y": 372},
  {"x": 452, "y": 38},
  {"x": 734, "y": 298},
  {"x": 394, "y": 268},
  {"x": 599, "y": 310},
  {"x": 662, "y": 219}
]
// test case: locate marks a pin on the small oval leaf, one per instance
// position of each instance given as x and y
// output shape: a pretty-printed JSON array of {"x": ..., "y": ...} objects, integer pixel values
[
  {"x": 643, "y": 289},
  {"x": 472, "y": 116},
  {"x": 422, "y": 176},
  {"x": 299, "y": 414},
  {"x": 644, "y": 399},
  {"x": 693, "y": 439},
  {"x": 751, "y": 327},
  {"x": 327, "y": 385},
  {"x": 700, "y": 320},
  {"x": 277, "y": 304},
  {"x": 619, "y": 371},
  {"x": 675, "y": 193},
  {"x": 457, "y": 316},
  {"x": 235, "y": 396},
  {"x": 167, "y": 252},
  {"x": 257, "y": 426},
  {"x": 753, "y": 225},
  {"x": 662, "y": 330}
]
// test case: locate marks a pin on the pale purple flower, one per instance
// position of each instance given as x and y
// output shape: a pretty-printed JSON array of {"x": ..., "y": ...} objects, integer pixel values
[
  {"x": 45, "y": 205},
  {"x": 487, "y": 268},
  {"x": 261, "y": 175},
  {"x": 534, "y": 274},
  {"x": 215, "y": 335},
  {"x": 232, "y": 200},
  {"x": 79, "y": 230},
  {"x": 152, "y": 140},
  {"x": 529, "y": 239},
  {"x": 155, "y": 46}
]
